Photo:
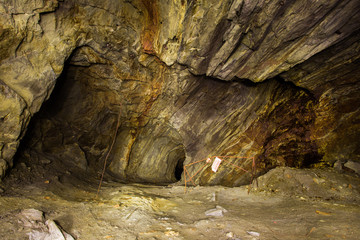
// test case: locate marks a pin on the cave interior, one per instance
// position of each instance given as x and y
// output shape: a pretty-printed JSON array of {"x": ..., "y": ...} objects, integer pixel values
[{"x": 114, "y": 114}]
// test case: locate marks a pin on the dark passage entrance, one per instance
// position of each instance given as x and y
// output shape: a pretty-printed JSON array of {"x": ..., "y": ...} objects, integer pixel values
[{"x": 179, "y": 169}]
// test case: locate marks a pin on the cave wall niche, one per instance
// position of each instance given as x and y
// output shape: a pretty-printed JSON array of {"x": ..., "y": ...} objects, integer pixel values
[
  {"x": 77, "y": 124},
  {"x": 170, "y": 118}
]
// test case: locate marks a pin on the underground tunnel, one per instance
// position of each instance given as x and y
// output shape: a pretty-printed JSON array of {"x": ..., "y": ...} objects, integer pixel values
[{"x": 179, "y": 119}]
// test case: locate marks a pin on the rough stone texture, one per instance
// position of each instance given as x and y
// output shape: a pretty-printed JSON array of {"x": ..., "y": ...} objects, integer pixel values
[
  {"x": 188, "y": 117},
  {"x": 333, "y": 78},
  {"x": 260, "y": 39},
  {"x": 157, "y": 65},
  {"x": 309, "y": 183},
  {"x": 241, "y": 120},
  {"x": 34, "y": 47}
]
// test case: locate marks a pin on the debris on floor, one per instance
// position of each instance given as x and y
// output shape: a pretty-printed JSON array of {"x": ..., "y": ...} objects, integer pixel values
[
  {"x": 39, "y": 229},
  {"x": 287, "y": 204},
  {"x": 216, "y": 212},
  {"x": 354, "y": 166},
  {"x": 254, "y": 234}
]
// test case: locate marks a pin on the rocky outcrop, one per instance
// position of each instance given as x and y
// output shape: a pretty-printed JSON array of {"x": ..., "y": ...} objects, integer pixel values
[
  {"x": 333, "y": 78},
  {"x": 258, "y": 40},
  {"x": 173, "y": 123},
  {"x": 154, "y": 70},
  {"x": 33, "y": 51}
]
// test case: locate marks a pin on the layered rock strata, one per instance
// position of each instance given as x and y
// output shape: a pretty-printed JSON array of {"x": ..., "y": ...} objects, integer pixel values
[{"x": 159, "y": 66}]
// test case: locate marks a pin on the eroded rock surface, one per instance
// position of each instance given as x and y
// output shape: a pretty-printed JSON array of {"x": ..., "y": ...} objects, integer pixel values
[
  {"x": 324, "y": 204},
  {"x": 34, "y": 46},
  {"x": 158, "y": 67}
]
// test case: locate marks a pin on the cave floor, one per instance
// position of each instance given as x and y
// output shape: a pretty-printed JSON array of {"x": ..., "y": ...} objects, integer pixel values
[{"x": 137, "y": 211}]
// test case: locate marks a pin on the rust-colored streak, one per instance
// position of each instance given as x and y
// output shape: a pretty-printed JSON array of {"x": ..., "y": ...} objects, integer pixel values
[
  {"x": 156, "y": 87},
  {"x": 151, "y": 25}
]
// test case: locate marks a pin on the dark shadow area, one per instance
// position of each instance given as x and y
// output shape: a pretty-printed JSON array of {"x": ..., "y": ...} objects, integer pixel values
[
  {"x": 179, "y": 169},
  {"x": 48, "y": 109},
  {"x": 311, "y": 159}
]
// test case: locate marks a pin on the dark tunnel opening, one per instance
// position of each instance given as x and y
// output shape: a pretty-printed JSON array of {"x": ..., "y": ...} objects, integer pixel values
[
  {"x": 179, "y": 169},
  {"x": 35, "y": 157},
  {"x": 48, "y": 110}
]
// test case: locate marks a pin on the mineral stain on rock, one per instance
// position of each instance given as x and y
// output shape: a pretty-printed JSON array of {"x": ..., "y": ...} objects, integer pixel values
[
  {"x": 277, "y": 81},
  {"x": 151, "y": 27},
  {"x": 118, "y": 60}
]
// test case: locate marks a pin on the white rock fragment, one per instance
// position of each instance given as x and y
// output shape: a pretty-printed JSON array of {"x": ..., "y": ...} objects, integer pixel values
[
  {"x": 216, "y": 212},
  {"x": 318, "y": 180},
  {"x": 32, "y": 214},
  {"x": 221, "y": 208},
  {"x": 36, "y": 235},
  {"x": 53, "y": 233},
  {"x": 32, "y": 218},
  {"x": 254, "y": 234},
  {"x": 172, "y": 233},
  {"x": 40, "y": 230},
  {"x": 212, "y": 197}
]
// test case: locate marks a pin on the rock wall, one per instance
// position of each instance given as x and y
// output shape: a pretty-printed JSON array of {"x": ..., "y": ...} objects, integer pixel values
[
  {"x": 289, "y": 99},
  {"x": 33, "y": 52},
  {"x": 333, "y": 78}
]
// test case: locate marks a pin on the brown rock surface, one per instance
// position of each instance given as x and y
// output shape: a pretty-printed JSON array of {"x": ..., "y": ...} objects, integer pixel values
[
  {"x": 157, "y": 65},
  {"x": 333, "y": 77}
]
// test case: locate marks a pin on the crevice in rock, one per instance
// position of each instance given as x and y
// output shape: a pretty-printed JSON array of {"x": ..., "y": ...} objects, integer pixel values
[
  {"x": 294, "y": 86},
  {"x": 179, "y": 169},
  {"x": 250, "y": 83}
]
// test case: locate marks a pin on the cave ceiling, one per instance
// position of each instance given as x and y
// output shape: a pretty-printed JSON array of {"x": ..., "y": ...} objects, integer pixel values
[{"x": 176, "y": 82}]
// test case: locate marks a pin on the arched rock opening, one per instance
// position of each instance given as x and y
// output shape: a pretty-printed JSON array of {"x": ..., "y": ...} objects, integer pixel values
[{"x": 88, "y": 106}]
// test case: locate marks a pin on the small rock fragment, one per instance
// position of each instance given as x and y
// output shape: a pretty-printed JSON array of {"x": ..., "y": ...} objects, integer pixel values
[
  {"x": 230, "y": 235},
  {"x": 216, "y": 212},
  {"x": 34, "y": 220},
  {"x": 221, "y": 208},
  {"x": 254, "y": 234},
  {"x": 54, "y": 231},
  {"x": 213, "y": 197},
  {"x": 338, "y": 165},
  {"x": 323, "y": 213},
  {"x": 353, "y": 166},
  {"x": 318, "y": 180}
]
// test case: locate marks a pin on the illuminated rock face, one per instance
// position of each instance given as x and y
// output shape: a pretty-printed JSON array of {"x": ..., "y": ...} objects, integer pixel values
[{"x": 277, "y": 80}]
